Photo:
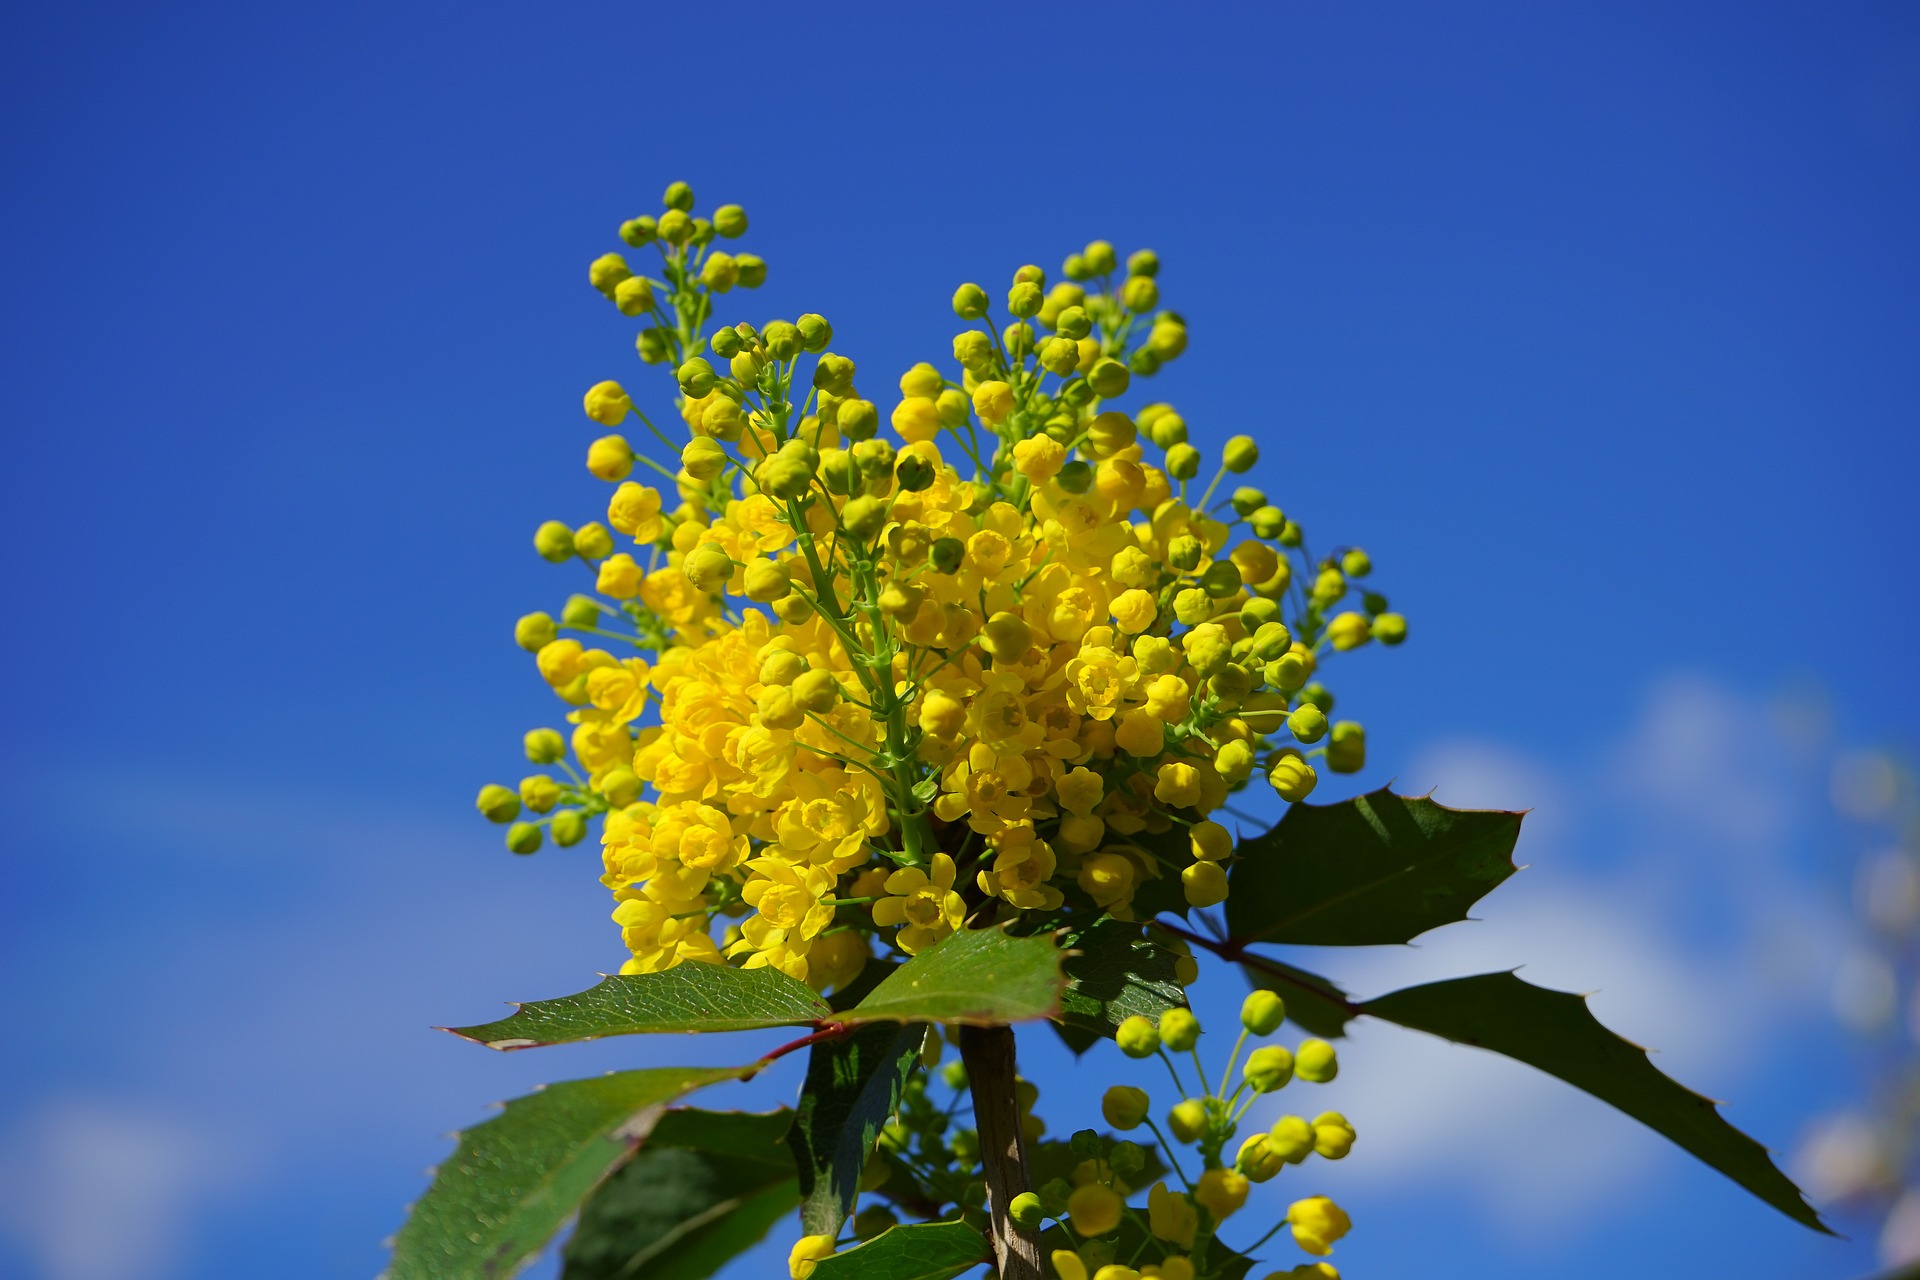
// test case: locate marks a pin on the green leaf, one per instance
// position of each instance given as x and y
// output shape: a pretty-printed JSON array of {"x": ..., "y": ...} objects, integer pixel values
[
  {"x": 977, "y": 976},
  {"x": 853, "y": 1085},
  {"x": 1312, "y": 1001},
  {"x": 911, "y": 1251},
  {"x": 1556, "y": 1032},
  {"x": 687, "y": 997},
  {"x": 513, "y": 1180},
  {"x": 1113, "y": 972},
  {"x": 1378, "y": 868},
  {"x": 706, "y": 1186}
]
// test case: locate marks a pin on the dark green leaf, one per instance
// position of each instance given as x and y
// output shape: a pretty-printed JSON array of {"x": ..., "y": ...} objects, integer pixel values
[
  {"x": 1312, "y": 1001},
  {"x": 706, "y": 1186},
  {"x": 513, "y": 1180},
  {"x": 853, "y": 1085},
  {"x": 1556, "y": 1032},
  {"x": 1114, "y": 972},
  {"x": 977, "y": 976},
  {"x": 1378, "y": 868},
  {"x": 915, "y": 1251},
  {"x": 687, "y": 997}
]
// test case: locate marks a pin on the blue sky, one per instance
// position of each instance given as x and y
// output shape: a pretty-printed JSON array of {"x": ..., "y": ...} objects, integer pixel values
[{"x": 1594, "y": 323}]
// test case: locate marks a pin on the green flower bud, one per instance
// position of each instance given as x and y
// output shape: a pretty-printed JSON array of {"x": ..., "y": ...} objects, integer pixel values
[
  {"x": 1268, "y": 522},
  {"x": 946, "y": 554},
  {"x": 1257, "y": 613},
  {"x": 1246, "y": 501},
  {"x": 568, "y": 827},
  {"x": 1188, "y": 1120},
  {"x": 1165, "y": 428},
  {"x": 752, "y": 269},
  {"x": 708, "y": 567},
  {"x": 1075, "y": 477},
  {"x": 1144, "y": 262},
  {"x": 1075, "y": 267},
  {"x": 535, "y": 631},
  {"x": 719, "y": 273},
  {"x": 1347, "y": 748},
  {"x": 1032, "y": 275},
  {"x": 1143, "y": 362},
  {"x": 730, "y": 220},
  {"x": 593, "y": 541},
  {"x": 1017, "y": 338},
  {"x": 815, "y": 332},
  {"x": 1072, "y": 322},
  {"x": 1167, "y": 341},
  {"x": 1221, "y": 579},
  {"x": 833, "y": 373},
  {"x": 1240, "y": 454},
  {"x": 676, "y": 227},
  {"x": 1086, "y": 1144},
  {"x": 620, "y": 787},
  {"x": 973, "y": 349},
  {"x": 1389, "y": 628},
  {"x": 679, "y": 196},
  {"x": 857, "y": 419},
  {"x": 1099, "y": 257},
  {"x": 913, "y": 472},
  {"x": 523, "y": 837},
  {"x": 1307, "y": 723},
  {"x": 640, "y": 231},
  {"x": 1234, "y": 762},
  {"x": 498, "y": 803},
  {"x": 873, "y": 457},
  {"x": 1184, "y": 552},
  {"x": 696, "y": 378},
  {"x": 1316, "y": 1062},
  {"x": 1109, "y": 378},
  {"x": 554, "y": 541},
  {"x": 1318, "y": 695},
  {"x": 1193, "y": 606},
  {"x": 839, "y": 472},
  {"x": 634, "y": 296},
  {"x": 727, "y": 343},
  {"x": 1290, "y": 535},
  {"x": 544, "y": 746},
  {"x": 1140, "y": 294},
  {"x": 721, "y": 419},
  {"x": 1024, "y": 299},
  {"x": 703, "y": 458},
  {"x": 1262, "y": 1012},
  {"x": 864, "y": 517},
  {"x": 970, "y": 302},
  {"x": 1288, "y": 672},
  {"x": 539, "y": 792},
  {"x": 784, "y": 341},
  {"x": 1124, "y": 1106},
  {"x": 1126, "y": 1158},
  {"x": 766, "y": 582},
  {"x": 1179, "y": 1029},
  {"x": 1373, "y": 602},
  {"x": 581, "y": 611},
  {"x": 653, "y": 346},
  {"x": 1356, "y": 564},
  {"x": 1272, "y": 639},
  {"x": 607, "y": 271},
  {"x": 1268, "y": 1068},
  {"x": 1230, "y": 685},
  {"x": 1026, "y": 1211},
  {"x": 1137, "y": 1037},
  {"x": 1183, "y": 462},
  {"x": 1059, "y": 356}
]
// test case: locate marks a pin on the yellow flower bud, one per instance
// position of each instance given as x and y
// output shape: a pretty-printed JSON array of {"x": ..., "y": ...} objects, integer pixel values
[
  {"x": 607, "y": 403},
  {"x": 1094, "y": 1209},
  {"x": 807, "y": 1254},
  {"x": 1135, "y": 611},
  {"x": 634, "y": 296},
  {"x": 544, "y": 746},
  {"x": 1124, "y": 1106},
  {"x": 1291, "y": 1138},
  {"x": 1039, "y": 458},
  {"x": 1137, "y": 1037},
  {"x": 1356, "y": 563},
  {"x": 1332, "y": 1136},
  {"x": 1262, "y": 1012},
  {"x": 730, "y": 220},
  {"x": 554, "y": 541},
  {"x": 607, "y": 271},
  {"x": 1390, "y": 628},
  {"x": 1205, "y": 884},
  {"x": 1307, "y": 723},
  {"x": 1316, "y": 1223},
  {"x": 568, "y": 827},
  {"x": 1140, "y": 294},
  {"x": 703, "y": 458},
  {"x": 498, "y": 803},
  {"x": 1171, "y": 1216},
  {"x": 593, "y": 541},
  {"x": 1292, "y": 777},
  {"x": 1257, "y": 1160},
  {"x": 1317, "y": 1062},
  {"x": 1268, "y": 1068},
  {"x": 1349, "y": 630},
  {"x": 1347, "y": 748},
  {"x": 993, "y": 401},
  {"x": 1109, "y": 378},
  {"x": 782, "y": 666},
  {"x": 1188, "y": 1120},
  {"x": 534, "y": 632},
  {"x": 1240, "y": 454},
  {"x": 620, "y": 787},
  {"x": 766, "y": 581},
  {"x": 1109, "y": 433},
  {"x": 942, "y": 715},
  {"x": 1007, "y": 637},
  {"x": 539, "y": 792},
  {"x": 523, "y": 838},
  {"x": 815, "y": 691},
  {"x": 619, "y": 577},
  {"x": 1179, "y": 1029},
  {"x": 1222, "y": 1191}
]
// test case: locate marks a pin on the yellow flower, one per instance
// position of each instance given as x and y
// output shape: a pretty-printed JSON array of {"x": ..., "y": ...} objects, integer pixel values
[
  {"x": 1022, "y": 865},
  {"x": 923, "y": 905},
  {"x": 807, "y": 1253},
  {"x": 619, "y": 577},
  {"x": 1316, "y": 1223},
  {"x": 1079, "y": 791},
  {"x": 634, "y": 510},
  {"x": 1141, "y": 733},
  {"x": 1135, "y": 610},
  {"x": 1039, "y": 458},
  {"x": 1223, "y": 1191},
  {"x": 1094, "y": 1209},
  {"x": 1171, "y": 1216},
  {"x": 607, "y": 403}
]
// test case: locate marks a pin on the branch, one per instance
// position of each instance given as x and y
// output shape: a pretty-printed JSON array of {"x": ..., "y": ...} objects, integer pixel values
[{"x": 989, "y": 1058}]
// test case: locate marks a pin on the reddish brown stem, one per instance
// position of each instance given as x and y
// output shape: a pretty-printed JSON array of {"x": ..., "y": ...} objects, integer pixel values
[{"x": 827, "y": 1031}]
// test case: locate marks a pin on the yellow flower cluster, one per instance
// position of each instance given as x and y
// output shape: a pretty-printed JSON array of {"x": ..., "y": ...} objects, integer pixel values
[{"x": 840, "y": 686}]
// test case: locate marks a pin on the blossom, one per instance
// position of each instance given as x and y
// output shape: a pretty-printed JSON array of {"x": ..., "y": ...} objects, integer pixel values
[{"x": 922, "y": 904}]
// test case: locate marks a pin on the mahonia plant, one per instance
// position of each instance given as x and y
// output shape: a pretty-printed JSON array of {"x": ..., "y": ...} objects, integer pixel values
[{"x": 913, "y": 725}]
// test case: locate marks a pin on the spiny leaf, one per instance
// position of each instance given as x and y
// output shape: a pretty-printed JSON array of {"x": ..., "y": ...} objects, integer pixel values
[
  {"x": 1556, "y": 1032},
  {"x": 513, "y": 1180},
  {"x": 1378, "y": 868},
  {"x": 1114, "y": 972},
  {"x": 687, "y": 997},
  {"x": 707, "y": 1186},
  {"x": 976, "y": 976},
  {"x": 853, "y": 1084},
  {"x": 912, "y": 1251}
]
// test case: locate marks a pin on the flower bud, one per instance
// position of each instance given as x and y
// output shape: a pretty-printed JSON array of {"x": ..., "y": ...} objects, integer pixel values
[
  {"x": 620, "y": 787},
  {"x": 696, "y": 378},
  {"x": 782, "y": 667},
  {"x": 634, "y": 296},
  {"x": 1222, "y": 1191},
  {"x": 1292, "y": 777},
  {"x": 675, "y": 227},
  {"x": 784, "y": 341},
  {"x": 1233, "y": 762},
  {"x": 1137, "y": 1037},
  {"x": 1007, "y": 637},
  {"x": 807, "y": 1253},
  {"x": 857, "y": 419},
  {"x": 1099, "y": 258},
  {"x": 1268, "y": 1068},
  {"x": 1356, "y": 564},
  {"x": 1188, "y": 1120},
  {"x": 913, "y": 472},
  {"x": 815, "y": 691},
  {"x": 1349, "y": 630},
  {"x": 593, "y": 541},
  {"x": 970, "y": 302},
  {"x": 639, "y": 232},
  {"x": 679, "y": 196},
  {"x": 833, "y": 373},
  {"x": 1144, "y": 262},
  {"x": 1073, "y": 324},
  {"x": 1025, "y": 299},
  {"x": 1184, "y": 552},
  {"x": 703, "y": 458},
  {"x": 568, "y": 827},
  {"x": 554, "y": 541},
  {"x": 1204, "y": 884},
  {"x": 946, "y": 555},
  {"x": 534, "y": 631},
  {"x": 1390, "y": 628},
  {"x": 752, "y": 270},
  {"x": 1347, "y": 748},
  {"x": 498, "y": 803},
  {"x": 1268, "y": 522},
  {"x": 1179, "y": 1029},
  {"x": 1124, "y": 1106},
  {"x": 1332, "y": 1136},
  {"x": 815, "y": 332},
  {"x": 1026, "y": 1211},
  {"x": 1075, "y": 477},
  {"x": 1094, "y": 1209},
  {"x": 1240, "y": 454},
  {"x": 1127, "y": 1158},
  {"x": 1059, "y": 356},
  {"x": 1291, "y": 1138},
  {"x": 607, "y": 403},
  {"x": 708, "y": 567},
  {"x": 1140, "y": 294},
  {"x": 607, "y": 271},
  {"x": 1307, "y": 723},
  {"x": 539, "y": 792},
  {"x": 730, "y": 220},
  {"x": 544, "y": 746},
  {"x": 1316, "y": 1062},
  {"x": 523, "y": 837},
  {"x": 1166, "y": 339},
  {"x": 863, "y": 517},
  {"x": 1257, "y": 1161},
  {"x": 766, "y": 581},
  {"x": 1222, "y": 579},
  {"x": 1108, "y": 378}
]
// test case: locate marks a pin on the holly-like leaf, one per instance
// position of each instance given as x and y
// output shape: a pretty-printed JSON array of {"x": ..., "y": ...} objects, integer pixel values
[
  {"x": 513, "y": 1180},
  {"x": 1312, "y": 1001},
  {"x": 1556, "y": 1032},
  {"x": 1378, "y": 868},
  {"x": 911, "y": 1251},
  {"x": 853, "y": 1085},
  {"x": 687, "y": 997},
  {"x": 706, "y": 1187},
  {"x": 1113, "y": 972},
  {"x": 980, "y": 977}
]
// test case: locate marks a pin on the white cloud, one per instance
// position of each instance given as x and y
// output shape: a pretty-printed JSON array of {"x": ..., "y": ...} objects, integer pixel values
[{"x": 103, "y": 1190}]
